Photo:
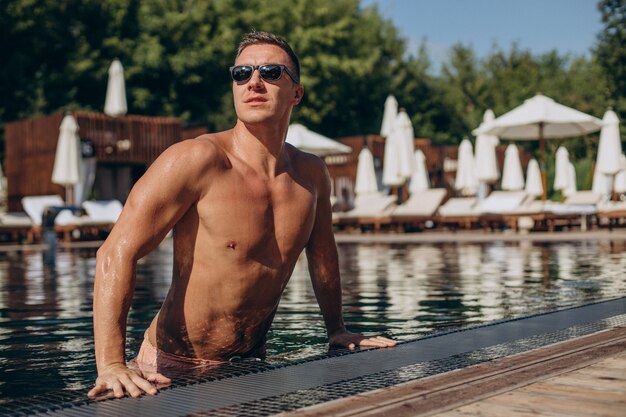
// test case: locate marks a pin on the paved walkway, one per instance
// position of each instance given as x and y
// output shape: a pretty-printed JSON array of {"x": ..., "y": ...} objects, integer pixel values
[{"x": 595, "y": 390}]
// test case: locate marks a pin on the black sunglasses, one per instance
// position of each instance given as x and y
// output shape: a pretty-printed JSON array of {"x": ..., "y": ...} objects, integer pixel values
[{"x": 269, "y": 72}]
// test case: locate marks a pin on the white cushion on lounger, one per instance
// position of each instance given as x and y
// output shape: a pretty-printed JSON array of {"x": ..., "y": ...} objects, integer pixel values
[
  {"x": 104, "y": 211},
  {"x": 459, "y": 206},
  {"x": 500, "y": 202},
  {"x": 423, "y": 203},
  {"x": 34, "y": 206}
]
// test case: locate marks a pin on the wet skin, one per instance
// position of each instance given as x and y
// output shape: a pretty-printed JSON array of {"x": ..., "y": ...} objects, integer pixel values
[{"x": 243, "y": 206}]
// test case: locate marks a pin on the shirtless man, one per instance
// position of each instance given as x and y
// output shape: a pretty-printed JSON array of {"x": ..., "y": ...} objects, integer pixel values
[{"x": 243, "y": 206}]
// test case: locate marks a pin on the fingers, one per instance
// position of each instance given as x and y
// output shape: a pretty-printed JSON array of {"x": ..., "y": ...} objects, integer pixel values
[
  {"x": 135, "y": 386},
  {"x": 118, "y": 390},
  {"x": 130, "y": 382},
  {"x": 158, "y": 378},
  {"x": 377, "y": 341},
  {"x": 97, "y": 389},
  {"x": 389, "y": 342},
  {"x": 352, "y": 340}
]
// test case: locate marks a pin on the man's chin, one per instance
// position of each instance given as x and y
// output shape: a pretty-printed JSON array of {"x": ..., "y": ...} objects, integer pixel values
[{"x": 257, "y": 119}]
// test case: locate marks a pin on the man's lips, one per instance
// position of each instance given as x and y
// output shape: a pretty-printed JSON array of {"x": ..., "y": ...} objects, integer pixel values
[{"x": 256, "y": 100}]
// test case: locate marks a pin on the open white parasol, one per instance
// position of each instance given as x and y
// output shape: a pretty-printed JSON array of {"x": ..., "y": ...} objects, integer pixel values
[
  {"x": 540, "y": 118},
  {"x": 308, "y": 141}
]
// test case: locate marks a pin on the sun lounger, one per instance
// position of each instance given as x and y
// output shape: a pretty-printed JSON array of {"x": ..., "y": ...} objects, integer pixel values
[
  {"x": 507, "y": 208},
  {"x": 34, "y": 206},
  {"x": 65, "y": 223},
  {"x": 611, "y": 213},
  {"x": 499, "y": 209},
  {"x": 577, "y": 210},
  {"x": 530, "y": 214},
  {"x": 586, "y": 198},
  {"x": 103, "y": 211},
  {"x": 419, "y": 208},
  {"x": 369, "y": 209},
  {"x": 16, "y": 227},
  {"x": 500, "y": 202},
  {"x": 100, "y": 216},
  {"x": 458, "y": 212}
]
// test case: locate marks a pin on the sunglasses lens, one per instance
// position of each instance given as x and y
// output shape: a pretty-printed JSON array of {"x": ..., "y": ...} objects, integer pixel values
[
  {"x": 271, "y": 72},
  {"x": 241, "y": 72}
]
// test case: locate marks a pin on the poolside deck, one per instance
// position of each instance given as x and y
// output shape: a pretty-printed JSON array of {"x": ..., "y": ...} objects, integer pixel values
[
  {"x": 585, "y": 376},
  {"x": 595, "y": 390}
]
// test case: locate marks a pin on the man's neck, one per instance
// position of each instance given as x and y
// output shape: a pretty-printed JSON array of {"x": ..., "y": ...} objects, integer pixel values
[{"x": 261, "y": 146}]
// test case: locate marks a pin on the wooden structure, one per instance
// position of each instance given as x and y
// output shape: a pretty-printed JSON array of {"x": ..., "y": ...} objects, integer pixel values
[
  {"x": 124, "y": 147},
  {"x": 342, "y": 168}
]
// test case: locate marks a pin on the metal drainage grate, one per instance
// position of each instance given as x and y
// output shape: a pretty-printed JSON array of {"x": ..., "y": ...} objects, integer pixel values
[
  {"x": 258, "y": 389},
  {"x": 304, "y": 398}
]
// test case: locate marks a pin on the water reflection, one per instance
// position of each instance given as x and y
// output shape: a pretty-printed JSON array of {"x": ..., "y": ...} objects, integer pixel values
[
  {"x": 402, "y": 291},
  {"x": 413, "y": 289}
]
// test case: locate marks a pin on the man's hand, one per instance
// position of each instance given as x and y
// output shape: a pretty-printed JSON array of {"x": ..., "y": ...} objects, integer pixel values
[
  {"x": 351, "y": 340},
  {"x": 121, "y": 379}
]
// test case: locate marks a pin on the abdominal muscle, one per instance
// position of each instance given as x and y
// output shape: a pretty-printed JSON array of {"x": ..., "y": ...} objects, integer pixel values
[{"x": 218, "y": 307}]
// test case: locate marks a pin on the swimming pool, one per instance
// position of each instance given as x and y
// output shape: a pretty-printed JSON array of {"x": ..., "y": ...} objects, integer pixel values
[{"x": 400, "y": 290}]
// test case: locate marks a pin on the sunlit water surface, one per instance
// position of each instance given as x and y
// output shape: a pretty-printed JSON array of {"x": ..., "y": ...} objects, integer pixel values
[{"x": 400, "y": 290}]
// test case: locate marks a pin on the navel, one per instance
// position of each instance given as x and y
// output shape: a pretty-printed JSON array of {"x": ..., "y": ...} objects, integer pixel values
[{"x": 231, "y": 244}]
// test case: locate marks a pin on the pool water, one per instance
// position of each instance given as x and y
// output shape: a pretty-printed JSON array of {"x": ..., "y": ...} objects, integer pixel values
[{"x": 399, "y": 290}]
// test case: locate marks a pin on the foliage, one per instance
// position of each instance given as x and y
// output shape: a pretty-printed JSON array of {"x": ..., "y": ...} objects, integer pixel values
[
  {"x": 611, "y": 51},
  {"x": 176, "y": 52}
]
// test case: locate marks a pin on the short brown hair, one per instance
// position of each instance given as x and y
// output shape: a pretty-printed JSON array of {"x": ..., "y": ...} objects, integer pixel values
[{"x": 257, "y": 38}]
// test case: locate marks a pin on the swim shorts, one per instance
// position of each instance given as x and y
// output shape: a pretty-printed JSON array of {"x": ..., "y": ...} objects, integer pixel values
[{"x": 152, "y": 359}]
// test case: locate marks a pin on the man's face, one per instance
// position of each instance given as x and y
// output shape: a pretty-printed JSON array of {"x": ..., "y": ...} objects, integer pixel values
[{"x": 258, "y": 100}]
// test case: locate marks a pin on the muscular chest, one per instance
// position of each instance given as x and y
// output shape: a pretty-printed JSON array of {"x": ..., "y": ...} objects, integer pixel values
[{"x": 257, "y": 215}]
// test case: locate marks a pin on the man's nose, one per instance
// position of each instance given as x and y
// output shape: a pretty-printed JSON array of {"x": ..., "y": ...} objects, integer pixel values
[{"x": 255, "y": 81}]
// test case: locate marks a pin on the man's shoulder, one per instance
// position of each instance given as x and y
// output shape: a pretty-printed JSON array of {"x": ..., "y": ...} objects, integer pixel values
[
  {"x": 304, "y": 159},
  {"x": 204, "y": 149},
  {"x": 307, "y": 164},
  {"x": 210, "y": 142}
]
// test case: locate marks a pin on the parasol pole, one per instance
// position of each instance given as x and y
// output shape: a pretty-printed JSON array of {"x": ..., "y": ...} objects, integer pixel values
[
  {"x": 542, "y": 151},
  {"x": 69, "y": 195}
]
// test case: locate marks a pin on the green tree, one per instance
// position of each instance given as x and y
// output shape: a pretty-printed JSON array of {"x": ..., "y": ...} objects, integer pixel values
[
  {"x": 464, "y": 86},
  {"x": 420, "y": 94},
  {"x": 611, "y": 51}
]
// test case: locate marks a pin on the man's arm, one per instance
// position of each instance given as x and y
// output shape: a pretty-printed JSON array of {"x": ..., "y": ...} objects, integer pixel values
[
  {"x": 323, "y": 262},
  {"x": 158, "y": 200}
]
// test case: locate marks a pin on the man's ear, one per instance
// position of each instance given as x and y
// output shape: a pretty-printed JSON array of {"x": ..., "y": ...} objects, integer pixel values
[{"x": 298, "y": 94}]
